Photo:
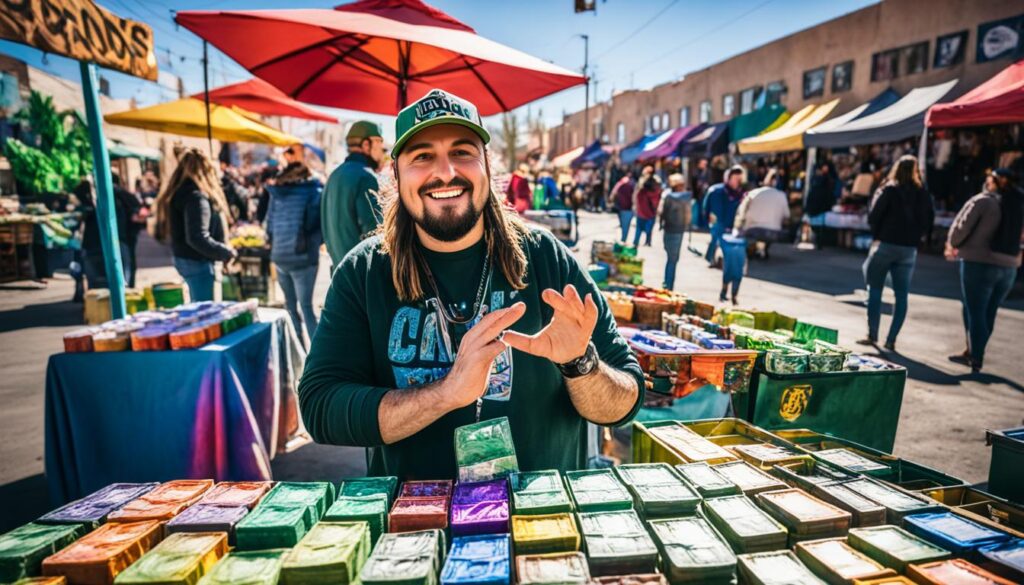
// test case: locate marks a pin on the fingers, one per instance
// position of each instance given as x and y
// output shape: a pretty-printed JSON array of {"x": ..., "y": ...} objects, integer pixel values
[
  {"x": 491, "y": 325},
  {"x": 589, "y": 312},
  {"x": 522, "y": 342}
]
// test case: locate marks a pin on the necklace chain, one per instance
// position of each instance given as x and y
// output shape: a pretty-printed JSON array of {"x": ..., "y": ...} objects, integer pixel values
[{"x": 485, "y": 276}]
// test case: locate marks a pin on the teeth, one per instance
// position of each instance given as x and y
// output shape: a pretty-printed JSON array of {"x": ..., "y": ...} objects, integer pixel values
[{"x": 446, "y": 194}]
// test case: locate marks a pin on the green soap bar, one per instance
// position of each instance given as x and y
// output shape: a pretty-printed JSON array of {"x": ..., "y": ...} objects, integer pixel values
[
  {"x": 367, "y": 486},
  {"x": 692, "y": 550},
  {"x": 780, "y": 567},
  {"x": 484, "y": 450},
  {"x": 617, "y": 543},
  {"x": 160, "y": 568},
  {"x": 747, "y": 527},
  {"x": 534, "y": 503},
  {"x": 407, "y": 558},
  {"x": 372, "y": 509},
  {"x": 270, "y": 526},
  {"x": 657, "y": 490},
  {"x": 894, "y": 547},
  {"x": 708, "y": 482},
  {"x": 247, "y": 568},
  {"x": 316, "y": 495},
  {"x": 23, "y": 549},
  {"x": 598, "y": 490},
  {"x": 536, "y": 481},
  {"x": 332, "y": 552}
]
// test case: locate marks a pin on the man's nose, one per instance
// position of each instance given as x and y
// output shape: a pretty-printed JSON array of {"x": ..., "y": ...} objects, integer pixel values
[{"x": 444, "y": 169}]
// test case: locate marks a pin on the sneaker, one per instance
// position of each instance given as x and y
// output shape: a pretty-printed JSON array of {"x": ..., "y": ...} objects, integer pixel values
[
  {"x": 890, "y": 346},
  {"x": 964, "y": 360},
  {"x": 867, "y": 341}
]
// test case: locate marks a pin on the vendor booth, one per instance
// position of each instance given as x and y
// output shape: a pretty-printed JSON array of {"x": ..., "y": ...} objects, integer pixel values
[
  {"x": 667, "y": 144},
  {"x": 759, "y": 121},
  {"x": 790, "y": 135}
]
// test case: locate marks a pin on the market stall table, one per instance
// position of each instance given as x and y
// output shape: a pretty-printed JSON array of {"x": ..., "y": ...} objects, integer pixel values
[{"x": 221, "y": 411}]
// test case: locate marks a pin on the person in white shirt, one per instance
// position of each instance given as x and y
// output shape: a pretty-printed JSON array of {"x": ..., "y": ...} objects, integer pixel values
[{"x": 762, "y": 214}]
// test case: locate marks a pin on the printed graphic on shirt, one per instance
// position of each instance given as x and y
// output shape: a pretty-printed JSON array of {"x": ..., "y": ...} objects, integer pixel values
[{"x": 421, "y": 350}]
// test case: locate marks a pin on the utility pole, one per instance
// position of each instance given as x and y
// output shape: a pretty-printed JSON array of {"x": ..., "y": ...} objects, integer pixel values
[{"x": 586, "y": 105}]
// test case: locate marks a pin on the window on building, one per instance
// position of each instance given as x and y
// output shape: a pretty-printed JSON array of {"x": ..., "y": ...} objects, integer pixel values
[
  {"x": 775, "y": 93},
  {"x": 885, "y": 65},
  {"x": 684, "y": 116},
  {"x": 598, "y": 129},
  {"x": 814, "y": 82},
  {"x": 665, "y": 125},
  {"x": 705, "y": 112},
  {"x": 728, "y": 105},
  {"x": 842, "y": 77},
  {"x": 655, "y": 123},
  {"x": 915, "y": 58},
  {"x": 950, "y": 49},
  {"x": 620, "y": 133},
  {"x": 748, "y": 99}
]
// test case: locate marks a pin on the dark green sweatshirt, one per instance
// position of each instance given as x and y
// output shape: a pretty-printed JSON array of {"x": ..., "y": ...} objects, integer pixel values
[
  {"x": 368, "y": 342},
  {"x": 348, "y": 207}
]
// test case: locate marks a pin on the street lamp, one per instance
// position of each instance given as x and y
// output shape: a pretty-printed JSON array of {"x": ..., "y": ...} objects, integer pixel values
[{"x": 586, "y": 106}]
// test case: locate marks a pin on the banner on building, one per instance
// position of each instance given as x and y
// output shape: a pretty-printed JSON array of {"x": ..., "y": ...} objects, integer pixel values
[
  {"x": 1000, "y": 38},
  {"x": 81, "y": 30}
]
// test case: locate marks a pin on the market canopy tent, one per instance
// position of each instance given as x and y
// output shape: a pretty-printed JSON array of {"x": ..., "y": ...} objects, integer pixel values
[
  {"x": 999, "y": 100},
  {"x": 668, "y": 143},
  {"x": 187, "y": 117},
  {"x": 595, "y": 153},
  {"x": 121, "y": 150},
  {"x": 789, "y": 136},
  {"x": 565, "y": 159},
  {"x": 708, "y": 142},
  {"x": 377, "y": 56},
  {"x": 880, "y": 102},
  {"x": 260, "y": 97},
  {"x": 903, "y": 119},
  {"x": 630, "y": 152},
  {"x": 753, "y": 123}
]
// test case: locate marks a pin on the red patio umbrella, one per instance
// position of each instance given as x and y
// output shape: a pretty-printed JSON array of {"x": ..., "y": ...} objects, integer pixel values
[
  {"x": 260, "y": 97},
  {"x": 377, "y": 55}
]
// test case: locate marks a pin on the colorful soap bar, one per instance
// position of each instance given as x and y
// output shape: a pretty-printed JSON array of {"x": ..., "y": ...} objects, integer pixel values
[
  {"x": 598, "y": 490},
  {"x": 483, "y": 517},
  {"x": 617, "y": 543},
  {"x": 270, "y": 526},
  {"x": 539, "y": 492},
  {"x": 897, "y": 503},
  {"x": 478, "y": 560},
  {"x": 835, "y": 561},
  {"x": 690, "y": 446},
  {"x": 162, "y": 502},
  {"x": 23, "y": 549},
  {"x": 750, "y": 479},
  {"x": 426, "y": 489},
  {"x": 236, "y": 493},
  {"x": 419, "y": 513},
  {"x": 484, "y": 450},
  {"x": 331, "y": 552},
  {"x": 646, "y": 579},
  {"x": 94, "y": 508},
  {"x": 780, "y": 567},
  {"x": 894, "y": 547},
  {"x": 180, "y": 559},
  {"x": 409, "y": 558},
  {"x": 692, "y": 551},
  {"x": 99, "y": 556},
  {"x": 366, "y": 486},
  {"x": 372, "y": 509},
  {"x": 803, "y": 515},
  {"x": 706, "y": 480},
  {"x": 657, "y": 490},
  {"x": 954, "y": 572},
  {"x": 314, "y": 497},
  {"x": 864, "y": 512},
  {"x": 208, "y": 518},
  {"x": 746, "y": 527},
  {"x": 1005, "y": 559},
  {"x": 552, "y": 569},
  {"x": 953, "y": 532},
  {"x": 247, "y": 568},
  {"x": 764, "y": 455},
  {"x": 538, "y": 534},
  {"x": 851, "y": 461}
]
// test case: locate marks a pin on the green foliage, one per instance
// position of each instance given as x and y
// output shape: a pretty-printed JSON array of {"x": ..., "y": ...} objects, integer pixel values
[{"x": 55, "y": 158}]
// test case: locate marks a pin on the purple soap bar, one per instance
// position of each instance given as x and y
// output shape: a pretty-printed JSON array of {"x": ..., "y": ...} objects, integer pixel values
[
  {"x": 95, "y": 507},
  {"x": 480, "y": 518},
  {"x": 484, "y": 491},
  {"x": 207, "y": 518},
  {"x": 426, "y": 489}
]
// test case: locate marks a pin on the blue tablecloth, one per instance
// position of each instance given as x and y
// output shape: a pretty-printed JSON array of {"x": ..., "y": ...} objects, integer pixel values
[{"x": 217, "y": 412}]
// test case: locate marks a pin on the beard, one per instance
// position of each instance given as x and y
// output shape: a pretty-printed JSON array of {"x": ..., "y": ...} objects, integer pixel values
[{"x": 451, "y": 223}]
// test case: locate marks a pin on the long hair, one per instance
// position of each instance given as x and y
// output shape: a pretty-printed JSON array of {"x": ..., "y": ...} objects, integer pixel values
[
  {"x": 504, "y": 234},
  {"x": 195, "y": 166},
  {"x": 906, "y": 173}
]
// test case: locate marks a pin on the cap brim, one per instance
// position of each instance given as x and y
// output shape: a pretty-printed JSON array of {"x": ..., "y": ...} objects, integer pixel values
[{"x": 476, "y": 128}]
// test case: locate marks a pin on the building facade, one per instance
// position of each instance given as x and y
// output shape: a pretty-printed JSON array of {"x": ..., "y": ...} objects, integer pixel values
[{"x": 900, "y": 44}]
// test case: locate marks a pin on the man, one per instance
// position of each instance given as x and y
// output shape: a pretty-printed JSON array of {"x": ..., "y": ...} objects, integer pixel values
[
  {"x": 674, "y": 220},
  {"x": 761, "y": 215},
  {"x": 719, "y": 209},
  {"x": 622, "y": 196},
  {"x": 349, "y": 210},
  {"x": 457, "y": 312}
]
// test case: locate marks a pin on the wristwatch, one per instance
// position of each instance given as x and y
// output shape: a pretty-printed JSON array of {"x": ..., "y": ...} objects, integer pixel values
[{"x": 582, "y": 365}]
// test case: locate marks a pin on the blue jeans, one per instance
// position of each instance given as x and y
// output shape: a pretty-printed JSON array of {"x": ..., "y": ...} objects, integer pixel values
[
  {"x": 625, "y": 218},
  {"x": 643, "y": 226},
  {"x": 95, "y": 267},
  {"x": 717, "y": 231},
  {"x": 198, "y": 275},
  {"x": 297, "y": 282},
  {"x": 983, "y": 288},
  {"x": 673, "y": 243},
  {"x": 884, "y": 260}
]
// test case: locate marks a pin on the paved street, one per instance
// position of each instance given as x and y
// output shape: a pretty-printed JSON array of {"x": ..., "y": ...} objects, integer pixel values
[{"x": 943, "y": 419}]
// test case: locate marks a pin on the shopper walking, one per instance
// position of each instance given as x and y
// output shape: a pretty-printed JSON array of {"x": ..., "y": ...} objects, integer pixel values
[
  {"x": 293, "y": 225},
  {"x": 901, "y": 214},
  {"x": 192, "y": 214},
  {"x": 647, "y": 200},
  {"x": 719, "y": 208},
  {"x": 761, "y": 216},
  {"x": 349, "y": 210},
  {"x": 986, "y": 240},
  {"x": 674, "y": 219},
  {"x": 622, "y": 195},
  {"x": 125, "y": 205}
]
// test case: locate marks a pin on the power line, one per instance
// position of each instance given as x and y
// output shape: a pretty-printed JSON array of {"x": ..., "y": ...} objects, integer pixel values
[{"x": 637, "y": 31}]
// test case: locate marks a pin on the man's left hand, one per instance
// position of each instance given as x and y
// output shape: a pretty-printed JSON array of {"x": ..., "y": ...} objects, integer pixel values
[{"x": 566, "y": 337}]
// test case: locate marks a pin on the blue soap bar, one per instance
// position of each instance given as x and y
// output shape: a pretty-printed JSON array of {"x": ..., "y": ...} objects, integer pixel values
[
  {"x": 953, "y": 532},
  {"x": 1005, "y": 559},
  {"x": 478, "y": 560}
]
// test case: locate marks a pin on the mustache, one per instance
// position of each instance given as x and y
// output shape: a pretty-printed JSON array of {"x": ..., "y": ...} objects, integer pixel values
[{"x": 439, "y": 184}]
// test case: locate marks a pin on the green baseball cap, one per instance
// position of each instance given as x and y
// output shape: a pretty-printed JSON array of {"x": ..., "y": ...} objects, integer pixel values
[
  {"x": 364, "y": 129},
  {"x": 437, "y": 107}
]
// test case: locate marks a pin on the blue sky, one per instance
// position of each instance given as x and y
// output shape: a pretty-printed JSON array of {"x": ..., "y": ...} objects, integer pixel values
[{"x": 633, "y": 43}]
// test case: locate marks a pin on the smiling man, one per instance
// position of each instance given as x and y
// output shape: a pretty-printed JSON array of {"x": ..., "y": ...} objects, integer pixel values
[{"x": 457, "y": 312}]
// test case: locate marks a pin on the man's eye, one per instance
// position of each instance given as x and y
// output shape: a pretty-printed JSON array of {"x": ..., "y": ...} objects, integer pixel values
[{"x": 421, "y": 156}]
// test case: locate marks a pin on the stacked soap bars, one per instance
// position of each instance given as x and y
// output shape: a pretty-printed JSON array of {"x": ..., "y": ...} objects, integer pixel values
[
  {"x": 835, "y": 561},
  {"x": 745, "y": 526},
  {"x": 369, "y": 486},
  {"x": 93, "y": 509},
  {"x": 539, "y": 492},
  {"x": 706, "y": 480},
  {"x": 180, "y": 558},
  {"x": 552, "y": 569},
  {"x": 331, "y": 552},
  {"x": 598, "y": 490},
  {"x": 261, "y": 567},
  {"x": 657, "y": 490},
  {"x": 23, "y": 549},
  {"x": 163, "y": 502},
  {"x": 484, "y": 450},
  {"x": 750, "y": 479},
  {"x": 478, "y": 560},
  {"x": 367, "y": 499},
  {"x": 284, "y": 515},
  {"x": 480, "y": 508},
  {"x": 952, "y": 532},
  {"x": 894, "y": 547},
  {"x": 780, "y": 567},
  {"x": 545, "y": 533},
  {"x": 421, "y": 505},
  {"x": 220, "y": 509},
  {"x": 617, "y": 543},
  {"x": 102, "y": 554},
  {"x": 692, "y": 551},
  {"x": 409, "y": 558},
  {"x": 803, "y": 515}
]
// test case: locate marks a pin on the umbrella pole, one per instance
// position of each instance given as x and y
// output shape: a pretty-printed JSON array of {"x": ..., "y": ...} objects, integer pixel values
[{"x": 206, "y": 95}]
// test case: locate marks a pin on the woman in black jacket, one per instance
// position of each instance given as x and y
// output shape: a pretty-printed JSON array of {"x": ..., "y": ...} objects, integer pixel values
[
  {"x": 192, "y": 213},
  {"x": 901, "y": 214}
]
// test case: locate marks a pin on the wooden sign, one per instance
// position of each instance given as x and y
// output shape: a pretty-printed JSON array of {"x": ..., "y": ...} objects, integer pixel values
[{"x": 83, "y": 31}]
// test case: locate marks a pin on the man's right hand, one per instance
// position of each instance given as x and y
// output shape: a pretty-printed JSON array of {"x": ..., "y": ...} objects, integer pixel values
[{"x": 467, "y": 379}]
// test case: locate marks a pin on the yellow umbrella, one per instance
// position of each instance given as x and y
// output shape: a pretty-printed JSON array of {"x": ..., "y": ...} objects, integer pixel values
[{"x": 187, "y": 117}]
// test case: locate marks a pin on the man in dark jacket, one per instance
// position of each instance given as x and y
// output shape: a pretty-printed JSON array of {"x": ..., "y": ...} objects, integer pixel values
[
  {"x": 349, "y": 210},
  {"x": 719, "y": 208}
]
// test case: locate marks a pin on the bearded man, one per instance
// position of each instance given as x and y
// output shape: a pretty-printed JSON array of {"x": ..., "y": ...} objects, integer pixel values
[{"x": 457, "y": 312}]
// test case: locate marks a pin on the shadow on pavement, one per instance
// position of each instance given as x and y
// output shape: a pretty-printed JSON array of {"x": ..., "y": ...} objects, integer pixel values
[
  {"x": 314, "y": 462},
  {"x": 53, "y": 314},
  {"x": 922, "y": 372},
  {"x": 30, "y": 494}
]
